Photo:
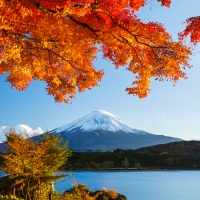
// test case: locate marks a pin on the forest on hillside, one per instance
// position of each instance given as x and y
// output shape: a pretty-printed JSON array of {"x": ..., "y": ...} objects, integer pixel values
[{"x": 184, "y": 154}]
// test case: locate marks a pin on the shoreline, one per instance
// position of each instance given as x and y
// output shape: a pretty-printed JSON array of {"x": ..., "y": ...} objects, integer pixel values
[{"x": 131, "y": 170}]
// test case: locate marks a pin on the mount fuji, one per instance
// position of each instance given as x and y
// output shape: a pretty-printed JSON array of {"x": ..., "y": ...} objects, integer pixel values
[
  {"x": 100, "y": 130},
  {"x": 97, "y": 120}
]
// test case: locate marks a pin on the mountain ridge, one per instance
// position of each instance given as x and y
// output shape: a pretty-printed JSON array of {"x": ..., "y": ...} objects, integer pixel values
[
  {"x": 100, "y": 130},
  {"x": 103, "y": 130}
]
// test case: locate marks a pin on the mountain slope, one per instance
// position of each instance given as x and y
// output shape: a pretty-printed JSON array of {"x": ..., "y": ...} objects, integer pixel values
[
  {"x": 103, "y": 130},
  {"x": 106, "y": 140}
]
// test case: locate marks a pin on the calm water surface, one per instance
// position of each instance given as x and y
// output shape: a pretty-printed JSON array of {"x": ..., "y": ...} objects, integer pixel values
[{"x": 141, "y": 185}]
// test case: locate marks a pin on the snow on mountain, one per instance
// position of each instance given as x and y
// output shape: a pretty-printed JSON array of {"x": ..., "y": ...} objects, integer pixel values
[{"x": 97, "y": 120}]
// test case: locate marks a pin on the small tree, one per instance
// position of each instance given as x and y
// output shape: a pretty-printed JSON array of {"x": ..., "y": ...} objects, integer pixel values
[
  {"x": 137, "y": 165},
  {"x": 32, "y": 164},
  {"x": 105, "y": 165},
  {"x": 87, "y": 165},
  {"x": 125, "y": 163},
  {"x": 96, "y": 166},
  {"x": 111, "y": 164},
  {"x": 170, "y": 162}
]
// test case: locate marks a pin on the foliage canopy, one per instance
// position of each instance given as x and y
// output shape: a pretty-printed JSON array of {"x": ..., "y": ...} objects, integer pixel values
[
  {"x": 57, "y": 41},
  {"x": 31, "y": 163}
]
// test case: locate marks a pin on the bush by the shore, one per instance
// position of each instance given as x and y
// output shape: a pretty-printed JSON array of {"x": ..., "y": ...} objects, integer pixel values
[
  {"x": 81, "y": 192},
  {"x": 78, "y": 192}
]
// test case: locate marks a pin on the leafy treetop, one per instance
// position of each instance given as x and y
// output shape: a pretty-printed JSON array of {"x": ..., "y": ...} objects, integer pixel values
[
  {"x": 192, "y": 30},
  {"x": 34, "y": 159},
  {"x": 57, "y": 40},
  {"x": 32, "y": 163}
]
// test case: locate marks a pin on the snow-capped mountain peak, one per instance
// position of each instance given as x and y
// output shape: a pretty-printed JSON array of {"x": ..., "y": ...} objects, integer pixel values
[{"x": 97, "y": 120}]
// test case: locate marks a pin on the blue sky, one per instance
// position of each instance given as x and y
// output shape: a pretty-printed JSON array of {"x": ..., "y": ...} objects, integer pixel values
[{"x": 168, "y": 110}]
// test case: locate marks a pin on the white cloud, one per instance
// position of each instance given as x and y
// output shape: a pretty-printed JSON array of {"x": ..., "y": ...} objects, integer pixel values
[{"x": 20, "y": 128}]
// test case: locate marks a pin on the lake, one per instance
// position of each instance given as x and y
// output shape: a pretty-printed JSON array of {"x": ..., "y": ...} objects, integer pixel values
[{"x": 140, "y": 185}]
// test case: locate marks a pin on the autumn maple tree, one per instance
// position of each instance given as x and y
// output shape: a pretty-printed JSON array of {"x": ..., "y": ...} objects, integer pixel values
[{"x": 56, "y": 41}]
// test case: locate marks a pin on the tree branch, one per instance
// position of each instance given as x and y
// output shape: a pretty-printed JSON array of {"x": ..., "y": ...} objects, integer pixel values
[
  {"x": 39, "y": 6},
  {"x": 49, "y": 50}
]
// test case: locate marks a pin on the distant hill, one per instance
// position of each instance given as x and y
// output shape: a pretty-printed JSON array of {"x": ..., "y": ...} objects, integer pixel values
[
  {"x": 191, "y": 147},
  {"x": 175, "y": 155}
]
